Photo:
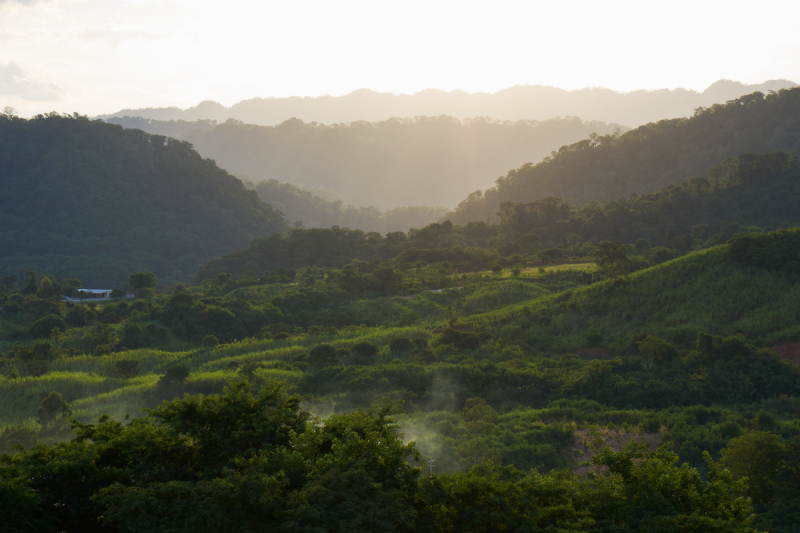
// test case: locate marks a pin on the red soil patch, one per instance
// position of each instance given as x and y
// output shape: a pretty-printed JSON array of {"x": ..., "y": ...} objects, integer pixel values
[
  {"x": 588, "y": 442},
  {"x": 597, "y": 352},
  {"x": 790, "y": 351}
]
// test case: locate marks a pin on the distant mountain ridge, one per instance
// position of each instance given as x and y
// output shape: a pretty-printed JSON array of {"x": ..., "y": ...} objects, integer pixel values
[{"x": 531, "y": 102}]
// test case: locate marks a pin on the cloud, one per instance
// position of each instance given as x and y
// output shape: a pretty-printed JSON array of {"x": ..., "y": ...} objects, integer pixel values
[
  {"x": 13, "y": 81},
  {"x": 4, "y": 3},
  {"x": 116, "y": 35}
]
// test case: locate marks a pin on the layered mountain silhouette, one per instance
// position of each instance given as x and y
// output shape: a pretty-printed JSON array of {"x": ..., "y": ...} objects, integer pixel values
[
  {"x": 531, "y": 102},
  {"x": 649, "y": 157}
]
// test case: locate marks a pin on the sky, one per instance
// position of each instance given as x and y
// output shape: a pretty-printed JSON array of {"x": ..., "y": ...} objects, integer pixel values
[{"x": 99, "y": 56}]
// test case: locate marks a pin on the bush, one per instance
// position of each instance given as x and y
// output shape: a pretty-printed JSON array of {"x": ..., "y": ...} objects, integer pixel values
[
  {"x": 127, "y": 368},
  {"x": 650, "y": 425},
  {"x": 322, "y": 355},
  {"x": 37, "y": 368},
  {"x": 45, "y": 325},
  {"x": 469, "y": 341},
  {"x": 594, "y": 339},
  {"x": 365, "y": 349},
  {"x": 209, "y": 341},
  {"x": 400, "y": 344}
]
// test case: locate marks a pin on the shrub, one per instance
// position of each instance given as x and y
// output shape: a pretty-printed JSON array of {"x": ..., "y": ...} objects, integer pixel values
[
  {"x": 37, "y": 368},
  {"x": 209, "y": 341},
  {"x": 127, "y": 368},
  {"x": 322, "y": 355},
  {"x": 365, "y": 349},
  {"x": 470, "y": 341},
  {"x": 400, "y": 344},
  {"x": 594, "y": 339},
  {"x": 45, "y": 325}
]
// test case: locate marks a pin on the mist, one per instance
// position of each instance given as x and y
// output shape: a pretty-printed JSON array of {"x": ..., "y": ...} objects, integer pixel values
[{"x": 531, "y": 102}]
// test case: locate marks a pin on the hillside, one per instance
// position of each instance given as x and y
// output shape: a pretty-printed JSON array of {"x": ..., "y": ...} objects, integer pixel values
[
  {"x": 424, "y": 161},
  {"x": 532, "y": 102},
  {"x": 313, "y": 211},
  {"x": 489, "y": 376},
  {"x": 747, "y": 193},
  {"x": 649, "y": 157},
  {"x": 90, "y": 200}
]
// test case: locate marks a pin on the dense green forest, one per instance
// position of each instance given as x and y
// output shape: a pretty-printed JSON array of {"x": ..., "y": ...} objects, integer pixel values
[
  {"x": 607, "y": 167},
  {"x": 422, "y": 161},
  {"x": 616, "y": 366},
  {"x": 753, "y": 190},
  {"x": 306, "y": 209},
  {"x": 87, "y": 199},
  {"x": 579, "y": 391}
]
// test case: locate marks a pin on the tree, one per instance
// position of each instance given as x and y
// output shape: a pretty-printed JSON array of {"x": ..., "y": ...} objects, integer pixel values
[
  {"x": 209, "y": 341},
  {"x": 322, "y": 355},
  {"x": 647, "y": 491},
  {"x": 52, "y": 409},
  {"x": 31, "y": 282},
  {"x": 611, "y": 257},
  {"x": 757, "y": 456},
  {"x": 56, "y": 335},
  {"x": 47, "y": 289},
  {"x": 143, "y": 284},
  {"x": 641, "y": 245},
  {"x": 127, "y": 368},
  {"x": 44, "y": 326},
  {"x": 117, "y": 293},
  {"x": 104, "y": 336},
  {"x": 400, "y": 344},
  {"x": 479, "y": 422},
  {"x": 172, "y": 382},
  {"x": 657, "y": 349}
]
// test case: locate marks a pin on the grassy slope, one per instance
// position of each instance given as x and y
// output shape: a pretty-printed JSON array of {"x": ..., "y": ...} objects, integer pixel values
[{"x": 705, "y": 290}]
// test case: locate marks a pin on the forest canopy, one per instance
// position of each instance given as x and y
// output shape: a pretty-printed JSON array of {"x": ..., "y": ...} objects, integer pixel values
[
  {"x": 87, "y": 199},
  {"x": 652, "y": 156}
]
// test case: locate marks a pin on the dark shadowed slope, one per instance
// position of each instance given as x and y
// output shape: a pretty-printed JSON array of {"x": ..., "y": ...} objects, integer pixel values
[
  {"x": 534, "y": 102},
  {"x": 649, "y": 157},
  {"x": 92, "y": 200}
]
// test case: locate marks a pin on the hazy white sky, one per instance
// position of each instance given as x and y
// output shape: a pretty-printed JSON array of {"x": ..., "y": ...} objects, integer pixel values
[{"x": 98, "y": 56}]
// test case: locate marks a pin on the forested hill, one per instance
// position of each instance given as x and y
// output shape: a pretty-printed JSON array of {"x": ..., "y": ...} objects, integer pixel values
[
  {"x": 425, "y": 161},
  {"x": 87, "y": 199},
  {"x": 534, "y": 102},
  {"x": 305, "y": 209},
  {"x": 607, "y": 167},
  {"x": 748, "y": 193}
]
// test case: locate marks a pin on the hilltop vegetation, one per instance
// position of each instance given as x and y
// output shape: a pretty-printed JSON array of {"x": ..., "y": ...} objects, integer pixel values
[
  {"x": 87, "y": 199},
  {"x": 422, "y": 161},
  {"x": 607, "y": 167}
]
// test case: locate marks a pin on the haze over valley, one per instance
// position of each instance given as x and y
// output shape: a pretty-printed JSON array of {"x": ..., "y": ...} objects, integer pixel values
[{"x": 407, "y": 267}]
